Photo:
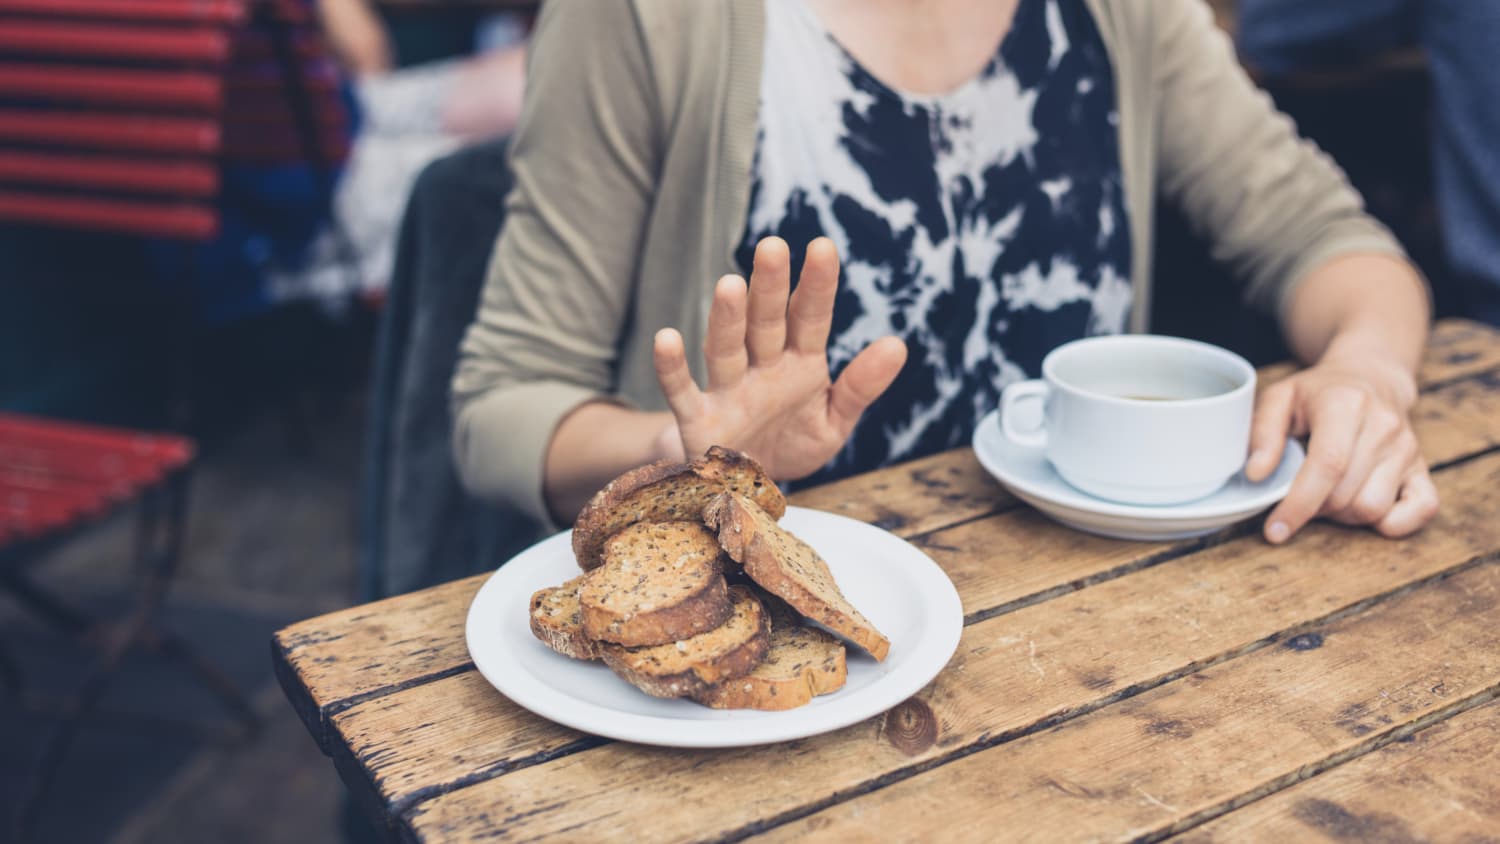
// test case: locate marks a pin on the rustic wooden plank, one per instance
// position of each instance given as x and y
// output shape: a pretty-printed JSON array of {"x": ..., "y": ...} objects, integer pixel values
[
  {"x": 1462, "y": 417},
  {"x": 1194, "y": 749},
  {"x": 1459, "y": 348},
  {"x": 914, "y": 497},
  {"x": 1443, "y": 784},
  {"x": 405, "y": 747},
  {"x": 1012, "y": 673},
  {"x": 998, "y": 564},
  {"x": 331, "y": 661}
]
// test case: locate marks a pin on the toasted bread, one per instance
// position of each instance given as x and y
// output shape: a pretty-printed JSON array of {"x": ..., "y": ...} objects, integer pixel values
[
  {"x": 803, "y": 662},
  {"x": 788, "y": 568},
  {"x": 557, "y": 619},
  {"x": 666, "y": 491},
  {"x": 691, "y": 666},
  {"x": 660, "y": 582}
]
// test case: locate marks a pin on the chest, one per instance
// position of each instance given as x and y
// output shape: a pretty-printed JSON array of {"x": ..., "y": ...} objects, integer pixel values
[{"x": 1022, "y": 157}]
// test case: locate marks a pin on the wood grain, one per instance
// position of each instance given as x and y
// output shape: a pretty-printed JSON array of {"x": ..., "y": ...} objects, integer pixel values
[
  {"x": 1196, "y": 748},
  {"x": 1012, "y": 673},
  {"x": 1441, "y": 784},
  {"x": 1459, "y": 348},
  {"x": 914, "y": 497},
  {"x": 465, "y": 730},
  {"x": 331, "y": 661}
]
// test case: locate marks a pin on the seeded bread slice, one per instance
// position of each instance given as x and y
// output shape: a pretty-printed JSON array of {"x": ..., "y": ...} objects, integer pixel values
[
  {"x": 659, "y": 583},
  {"x": 803, "y": 662},
  {"x": 692, "y": 666},
  {"x": 788, "y": 568},
  {"x": 557, "y": 619},
  {"x": 666, "y": 491}
]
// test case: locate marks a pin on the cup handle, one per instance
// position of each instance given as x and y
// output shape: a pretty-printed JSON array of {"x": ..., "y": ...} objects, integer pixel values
[{"x": 1014, "y": 395}]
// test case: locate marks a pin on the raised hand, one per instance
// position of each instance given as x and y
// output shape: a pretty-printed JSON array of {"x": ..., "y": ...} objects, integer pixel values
[{"x": 769, "y": 392}]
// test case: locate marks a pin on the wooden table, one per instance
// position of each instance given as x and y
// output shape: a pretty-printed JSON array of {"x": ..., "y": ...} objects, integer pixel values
[{"x": 1340, "y": 688}]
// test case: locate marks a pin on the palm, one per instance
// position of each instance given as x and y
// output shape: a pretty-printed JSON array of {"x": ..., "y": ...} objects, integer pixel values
[{"x": 769, "y": 391}]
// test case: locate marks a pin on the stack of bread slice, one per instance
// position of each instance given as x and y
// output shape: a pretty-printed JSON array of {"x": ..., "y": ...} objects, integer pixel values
[{"x": 691, "y": 589}]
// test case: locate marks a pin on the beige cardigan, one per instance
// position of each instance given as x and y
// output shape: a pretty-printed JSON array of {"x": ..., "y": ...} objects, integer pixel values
[{"x": 632, "y": 169}]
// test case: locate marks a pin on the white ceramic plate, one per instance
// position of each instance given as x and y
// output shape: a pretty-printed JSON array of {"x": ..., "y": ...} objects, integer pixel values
[
  {"x": 1028, "y": 475},
  {"x": 899, "y": 588}
]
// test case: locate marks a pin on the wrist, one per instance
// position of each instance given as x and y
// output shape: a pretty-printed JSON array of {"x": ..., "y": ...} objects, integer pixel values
[
  {"x": 666, "y": 442},
  {"x": 1386, "y": 371}
]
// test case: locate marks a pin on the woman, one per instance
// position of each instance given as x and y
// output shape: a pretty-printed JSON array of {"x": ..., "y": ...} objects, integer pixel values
[{"x": 988, "y": 170}]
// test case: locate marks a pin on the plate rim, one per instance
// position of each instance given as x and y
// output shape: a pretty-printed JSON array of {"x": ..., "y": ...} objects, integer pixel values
[
  {"x": 753, "y": 727},
  {"x": 1196, "y": 510}
]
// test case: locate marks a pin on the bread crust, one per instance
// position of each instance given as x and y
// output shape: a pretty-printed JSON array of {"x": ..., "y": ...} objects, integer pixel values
[
  {"x": 803, "y": 662},
  {"x": 562, "y": 631},
  {"x": 743, "y": 537},
  {"x": 722, "y": 663},
  {"x": 668, "y": 491},
  {"x": 592, "y": 528}
]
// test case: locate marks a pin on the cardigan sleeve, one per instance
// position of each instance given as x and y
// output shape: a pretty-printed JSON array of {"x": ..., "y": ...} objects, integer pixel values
[
  {"x": 561, "y": 277},
  {"x": 1273, "y": 206}
]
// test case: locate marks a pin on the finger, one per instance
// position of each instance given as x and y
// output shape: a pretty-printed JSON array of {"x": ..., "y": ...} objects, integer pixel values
[
  {"x": 1415, "y": 507},
  {"x": 724, "y": 345},
  {"x": 677, "y": 385},
  {"x": 1335, "y": 424},
  {"x": 863, "y": 380},
  {"x": 1268, "y": 433},
  {"x": 1374, "y": 499},
  {"x": 1379, "y": 442},
  {"x": 765, "y": 336},
  {"x": 810, "y": 314}
]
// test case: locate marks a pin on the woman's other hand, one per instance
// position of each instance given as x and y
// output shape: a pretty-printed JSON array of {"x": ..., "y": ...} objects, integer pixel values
[
  {"x": 769, "y": 391},
  {"x": 1364, "y": 466}
]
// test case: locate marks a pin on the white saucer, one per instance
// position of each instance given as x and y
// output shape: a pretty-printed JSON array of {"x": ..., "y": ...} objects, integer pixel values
[{"x": 1028, "y": 475}]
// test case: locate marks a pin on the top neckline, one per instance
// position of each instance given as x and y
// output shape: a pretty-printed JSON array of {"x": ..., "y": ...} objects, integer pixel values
[{"x": 938, "y": 100}]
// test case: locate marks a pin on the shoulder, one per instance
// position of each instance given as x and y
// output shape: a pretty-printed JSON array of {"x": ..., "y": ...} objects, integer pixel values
[
  {"x": 665, "y": 41},
  {"x": 659, "y": 25},
  {"x": 1140, "y": 25}
]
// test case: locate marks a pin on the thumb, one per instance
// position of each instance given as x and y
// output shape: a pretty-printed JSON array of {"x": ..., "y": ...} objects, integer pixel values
[
  {"x": 1268, "y": 431},
  {"x": 863, "y": 380}
]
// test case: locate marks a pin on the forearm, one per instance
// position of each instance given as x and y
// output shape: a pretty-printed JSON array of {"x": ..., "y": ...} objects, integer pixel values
[
  {"x": 1360, "y": 309},
  {"x": 593, "y": 444}
]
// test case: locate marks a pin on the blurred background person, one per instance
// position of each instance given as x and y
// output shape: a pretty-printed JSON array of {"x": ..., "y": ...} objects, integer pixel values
[
  {"x": 409, "y": 116},
  {"x": 1460, "y": 39}
]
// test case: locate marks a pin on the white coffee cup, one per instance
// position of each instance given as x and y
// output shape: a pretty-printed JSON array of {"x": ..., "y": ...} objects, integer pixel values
[{"x": 1138, "y": 419}]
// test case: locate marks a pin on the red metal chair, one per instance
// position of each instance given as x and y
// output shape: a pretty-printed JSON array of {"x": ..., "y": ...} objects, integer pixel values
[
  {"x": 56, "y": 478},
  {"x": 119, "y": 116}
]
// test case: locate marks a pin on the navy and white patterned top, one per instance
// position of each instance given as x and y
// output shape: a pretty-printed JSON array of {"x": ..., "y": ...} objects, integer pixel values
[{"x": 985, "y": 226}]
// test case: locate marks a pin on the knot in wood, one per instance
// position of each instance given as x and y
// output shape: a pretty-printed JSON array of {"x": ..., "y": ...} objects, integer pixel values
[{"x": 911, "y": 727}]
